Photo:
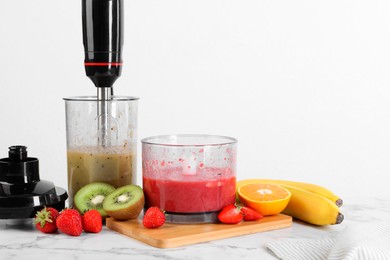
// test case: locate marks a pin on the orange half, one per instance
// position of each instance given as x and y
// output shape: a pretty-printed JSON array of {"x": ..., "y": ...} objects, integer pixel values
[{"x": 267, "y": 199}]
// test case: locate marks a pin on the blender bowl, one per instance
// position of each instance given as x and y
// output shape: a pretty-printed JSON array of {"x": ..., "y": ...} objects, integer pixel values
[
  {"x": 94, "y": 155},
  {"x": 190, "y": 177}
]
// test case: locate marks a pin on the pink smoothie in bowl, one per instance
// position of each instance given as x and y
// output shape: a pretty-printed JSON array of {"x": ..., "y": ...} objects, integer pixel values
[
  {"x": 191, "y": 194},
  {"x": 190, "y": 177}
]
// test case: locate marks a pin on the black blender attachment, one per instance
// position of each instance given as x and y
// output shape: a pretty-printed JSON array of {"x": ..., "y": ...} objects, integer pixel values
[
  {"x": 22, "y": 192},
  {"x": 102, "y": 38}
]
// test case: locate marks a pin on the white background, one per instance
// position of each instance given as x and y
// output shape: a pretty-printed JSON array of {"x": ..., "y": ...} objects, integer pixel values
[{"x": 303, "y": 85}]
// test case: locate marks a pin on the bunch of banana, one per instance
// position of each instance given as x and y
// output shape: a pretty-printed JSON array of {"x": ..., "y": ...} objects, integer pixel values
[{"x": 311, "y": 203}]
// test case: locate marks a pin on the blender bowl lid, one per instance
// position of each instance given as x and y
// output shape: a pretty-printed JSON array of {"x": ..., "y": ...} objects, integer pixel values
[{"x": 22, "y": 192}]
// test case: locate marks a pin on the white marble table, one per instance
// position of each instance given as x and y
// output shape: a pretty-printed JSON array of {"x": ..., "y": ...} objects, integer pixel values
[{"x": 25, "y": 242}]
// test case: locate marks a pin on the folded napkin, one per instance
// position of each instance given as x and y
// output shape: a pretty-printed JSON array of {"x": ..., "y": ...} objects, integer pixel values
[{"x": 358, "y": 241}]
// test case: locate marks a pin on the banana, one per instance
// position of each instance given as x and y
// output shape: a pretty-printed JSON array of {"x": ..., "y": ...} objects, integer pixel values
[
  {"x": 301, "y": 185},
  {"x": 312, "y": 208},
  {"x": 305, "y": 205}
]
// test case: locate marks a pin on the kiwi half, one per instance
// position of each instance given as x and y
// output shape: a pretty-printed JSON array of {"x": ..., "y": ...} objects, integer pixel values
[
  {"x": 125, "y": 202},
  {"x": 91, "y": 196}
]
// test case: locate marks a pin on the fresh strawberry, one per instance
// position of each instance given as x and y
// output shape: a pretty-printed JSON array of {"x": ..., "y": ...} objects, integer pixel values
[
  {"x": 45, "y": 220},
  {"x": 153, "y": 218},
  {"x": 250, "y": 214},
  {"x": 230, "y": 215},
  {"x": 92, "y": 221},
  {"x": 69, "y": 222}
]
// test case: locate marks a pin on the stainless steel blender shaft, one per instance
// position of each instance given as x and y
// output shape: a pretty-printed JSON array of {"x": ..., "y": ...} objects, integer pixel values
[{"x": 104, "y": 96}]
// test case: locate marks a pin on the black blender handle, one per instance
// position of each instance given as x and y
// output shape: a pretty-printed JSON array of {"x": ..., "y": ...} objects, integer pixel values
[{"x": 103, "y": 40}]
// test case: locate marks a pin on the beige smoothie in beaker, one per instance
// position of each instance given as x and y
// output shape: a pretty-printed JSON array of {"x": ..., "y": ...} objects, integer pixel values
[{"x": 112, "y": 165}]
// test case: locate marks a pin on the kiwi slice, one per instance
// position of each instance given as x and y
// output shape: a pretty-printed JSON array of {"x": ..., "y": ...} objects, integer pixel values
[
  {"x": 91, "y": 196},
  {"x": 125, "y": 202}
]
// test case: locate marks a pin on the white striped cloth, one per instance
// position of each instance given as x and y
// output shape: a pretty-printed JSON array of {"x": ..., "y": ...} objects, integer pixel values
[{"x": 361, "y": 241}]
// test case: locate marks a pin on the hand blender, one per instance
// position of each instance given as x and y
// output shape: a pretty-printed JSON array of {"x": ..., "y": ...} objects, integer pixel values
[
  {"x": 102, "y": 38},
  {"x": 101, "y": 131}
]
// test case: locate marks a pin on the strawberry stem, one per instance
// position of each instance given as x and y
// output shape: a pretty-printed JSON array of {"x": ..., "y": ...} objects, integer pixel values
[{"x": 42, "y": 217}]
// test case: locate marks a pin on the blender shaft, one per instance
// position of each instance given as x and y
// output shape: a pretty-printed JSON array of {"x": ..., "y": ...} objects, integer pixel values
[{"x": 104, "y": 96}]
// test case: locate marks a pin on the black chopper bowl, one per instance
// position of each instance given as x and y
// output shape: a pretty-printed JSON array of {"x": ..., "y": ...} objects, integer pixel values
[{"x": 22, "y": 192}]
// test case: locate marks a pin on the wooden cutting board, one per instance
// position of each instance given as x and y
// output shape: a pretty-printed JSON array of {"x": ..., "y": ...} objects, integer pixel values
[{"x": 175, "y": 235}]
